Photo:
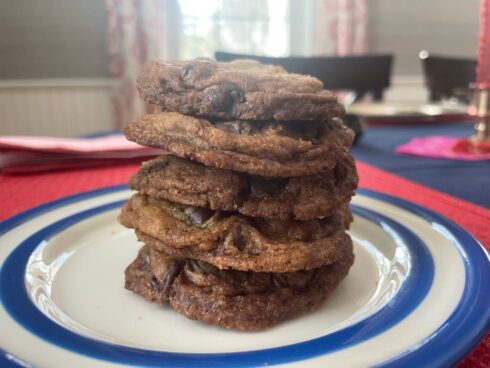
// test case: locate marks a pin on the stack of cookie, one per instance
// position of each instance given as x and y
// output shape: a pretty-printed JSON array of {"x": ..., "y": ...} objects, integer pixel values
[{"x": 244, "y": 221}]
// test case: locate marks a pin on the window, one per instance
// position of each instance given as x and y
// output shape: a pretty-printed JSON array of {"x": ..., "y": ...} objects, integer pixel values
[{"x": 260, "y": 27}]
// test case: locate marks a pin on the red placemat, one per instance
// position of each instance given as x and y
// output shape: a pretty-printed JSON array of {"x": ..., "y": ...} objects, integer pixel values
[
  {"x": 21, "y": 192},
  {"x": 473, "y": 218}
]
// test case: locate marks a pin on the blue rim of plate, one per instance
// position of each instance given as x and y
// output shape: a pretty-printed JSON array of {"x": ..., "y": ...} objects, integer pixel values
[
  {"x": 450, "y": 343},
  {"x": 19, "y": 306}
]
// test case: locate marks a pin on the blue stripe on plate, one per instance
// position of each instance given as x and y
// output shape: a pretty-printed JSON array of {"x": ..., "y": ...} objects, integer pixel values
[
  {"x": 16, "y": 301},
  {"x": 7, "y": 360},
  {"x": 470, "y": 321}
]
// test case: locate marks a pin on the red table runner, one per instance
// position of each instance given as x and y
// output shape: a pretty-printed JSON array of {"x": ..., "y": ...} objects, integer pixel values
[{"x": 19, "y": 193}]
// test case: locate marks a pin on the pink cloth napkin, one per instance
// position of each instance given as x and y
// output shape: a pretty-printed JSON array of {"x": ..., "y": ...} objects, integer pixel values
[
  {"x": 439, "y": 147},
  {"x": 33, "y": 154},
  {"x": 115, "y": 142}
]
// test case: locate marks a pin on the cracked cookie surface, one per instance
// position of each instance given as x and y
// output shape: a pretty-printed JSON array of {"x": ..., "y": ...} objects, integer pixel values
[{"x": 237, "y": 90}]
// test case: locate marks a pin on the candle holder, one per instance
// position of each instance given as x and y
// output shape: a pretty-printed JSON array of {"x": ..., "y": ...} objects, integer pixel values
[{"x": 480, "y": 109}]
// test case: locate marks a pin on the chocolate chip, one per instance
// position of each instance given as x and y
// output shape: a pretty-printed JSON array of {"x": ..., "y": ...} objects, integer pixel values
[
  {"x": 278, "y": 282},
  {"x": 168, "y": 277},
  {"x": 197, "y": 72},
  {"x": 261, "y": 187},
  {"x": 238, "y": 95},
  {"x": 313, "y": 131},
  {"x": 224, "y": 96},
  {"x": 203, "y": 267},
  {"x": 239, "y": 241},
  {"x": 185, "y": 71},
  {"x": 340, "y": 174},
  {"x": 198, "y": 215},
  {"x": 296, "y": 280},
  {"x": 218, "y": 97},
  {"x": 196, "y": 267},
  {"x": 236, "y": 276},
  {"x": 155, "y": 283}
]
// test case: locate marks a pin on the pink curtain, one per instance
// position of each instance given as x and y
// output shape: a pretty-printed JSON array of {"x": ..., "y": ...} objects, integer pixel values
[
  {"x": 135, "y": 34},
  {"x": 340, "y": 27}
]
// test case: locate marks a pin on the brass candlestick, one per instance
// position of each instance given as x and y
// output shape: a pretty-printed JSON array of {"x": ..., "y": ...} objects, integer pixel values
[{"x": 480, "y": 109}]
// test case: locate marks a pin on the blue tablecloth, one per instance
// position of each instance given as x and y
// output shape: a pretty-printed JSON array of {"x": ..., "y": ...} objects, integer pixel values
[{"x": 469, "y": 181}]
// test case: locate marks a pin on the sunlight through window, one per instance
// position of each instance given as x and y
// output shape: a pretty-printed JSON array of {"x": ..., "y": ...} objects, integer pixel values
[{"x": 240, "y": 26}]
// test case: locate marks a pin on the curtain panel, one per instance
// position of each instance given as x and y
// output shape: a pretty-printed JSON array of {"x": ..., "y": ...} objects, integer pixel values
[
  {"x": 136, "y": 32},
  {"x": 340, "y": 27}
]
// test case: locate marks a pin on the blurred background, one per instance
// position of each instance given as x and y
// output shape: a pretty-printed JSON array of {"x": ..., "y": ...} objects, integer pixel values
[{"x": 68, "y": 68}]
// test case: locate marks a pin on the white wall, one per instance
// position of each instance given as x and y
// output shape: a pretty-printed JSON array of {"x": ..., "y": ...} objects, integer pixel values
[
  {"x": 52, "y": 39},
  {"x": 406, "y": 27}
]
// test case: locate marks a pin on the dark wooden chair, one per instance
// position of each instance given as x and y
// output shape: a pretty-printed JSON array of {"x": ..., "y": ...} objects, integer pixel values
[
  {"x": 369, "y": 74},
  {"x": 447, "y": 77}
]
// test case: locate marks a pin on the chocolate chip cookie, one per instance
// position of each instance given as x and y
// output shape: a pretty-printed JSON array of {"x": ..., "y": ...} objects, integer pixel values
[
  {"x": 230, "y": 240},
  {"x": 298, "y": 198},
  {"x": 281, "y": 149},
  {"x": 247, "y": 301},
  {"x": 244, "y": 221},
  {"x": 235, "y": 91}
]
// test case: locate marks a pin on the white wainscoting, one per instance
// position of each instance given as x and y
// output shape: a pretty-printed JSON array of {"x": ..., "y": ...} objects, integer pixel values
[{"x": 55, "y": 107}]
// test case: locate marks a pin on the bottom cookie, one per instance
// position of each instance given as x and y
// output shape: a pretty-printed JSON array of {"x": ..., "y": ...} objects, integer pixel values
[{"x": 247, "y": 301}]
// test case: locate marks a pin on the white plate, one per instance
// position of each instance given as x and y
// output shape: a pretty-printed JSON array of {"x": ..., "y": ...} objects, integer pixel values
[{"x": 418, "y": 293}]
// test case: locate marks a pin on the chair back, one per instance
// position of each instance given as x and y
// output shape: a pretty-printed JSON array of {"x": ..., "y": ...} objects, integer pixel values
[
  {"x": 361, "y": 74},
  {"x": 447, "y": 77}
]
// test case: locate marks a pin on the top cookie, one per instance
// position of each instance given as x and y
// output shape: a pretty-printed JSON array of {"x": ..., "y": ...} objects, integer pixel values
[{"x": 236, "y": 90}]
